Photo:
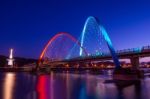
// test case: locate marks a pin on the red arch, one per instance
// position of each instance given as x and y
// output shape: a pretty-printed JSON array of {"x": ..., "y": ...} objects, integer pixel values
[{"x": 57, "y": 35}]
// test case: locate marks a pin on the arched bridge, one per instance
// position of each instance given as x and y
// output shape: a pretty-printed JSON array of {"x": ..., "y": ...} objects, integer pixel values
[
  {"x": 63, "y": 48},
  {"x": 130, "y": 54}
]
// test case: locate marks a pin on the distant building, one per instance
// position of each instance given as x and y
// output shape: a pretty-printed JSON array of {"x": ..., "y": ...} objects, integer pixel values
[{"x": 11, "y": 59}]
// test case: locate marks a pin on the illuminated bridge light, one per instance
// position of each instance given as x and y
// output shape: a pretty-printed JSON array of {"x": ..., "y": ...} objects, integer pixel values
[
  {"x": 92, "y": 22},
  {"x": 137, "y": 50},
  {"x": 58, "y": 48}
]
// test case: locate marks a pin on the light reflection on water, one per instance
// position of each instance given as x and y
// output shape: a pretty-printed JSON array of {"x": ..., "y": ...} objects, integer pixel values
[
  {"x": 9, "y": 81},
  {"x": 70, "y": 86}
]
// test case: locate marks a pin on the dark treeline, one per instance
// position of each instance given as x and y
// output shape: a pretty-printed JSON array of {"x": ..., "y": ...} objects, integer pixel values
[{"x": 18, "y": 61}]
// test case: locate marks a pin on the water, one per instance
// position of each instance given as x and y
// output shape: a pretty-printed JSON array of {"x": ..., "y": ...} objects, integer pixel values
[{"x": 70, "y": 86}]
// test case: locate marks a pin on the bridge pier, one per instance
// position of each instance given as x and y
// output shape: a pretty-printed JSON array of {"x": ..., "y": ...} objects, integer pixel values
[
  {"x": 135, "y": 62},
  {"x": 129, "y": 73}
]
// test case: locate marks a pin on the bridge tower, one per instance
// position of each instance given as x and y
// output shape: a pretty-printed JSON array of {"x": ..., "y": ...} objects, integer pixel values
[{"x": 11, "y": 59}]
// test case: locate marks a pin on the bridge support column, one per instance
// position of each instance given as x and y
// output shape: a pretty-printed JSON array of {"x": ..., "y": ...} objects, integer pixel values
[{"x": 135, "y": 62}]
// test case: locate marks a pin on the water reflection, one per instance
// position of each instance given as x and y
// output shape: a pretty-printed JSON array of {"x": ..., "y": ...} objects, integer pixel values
[
  {"x": 9, "y": 83},
  {"x": 45, "y": 86},
  {"x": 85, "y": 86},
  {"x": 70, "y": 86},
  {"x": 129, "y": 89}
]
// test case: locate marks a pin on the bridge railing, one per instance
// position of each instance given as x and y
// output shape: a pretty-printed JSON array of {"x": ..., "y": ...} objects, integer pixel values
[
  {"x": 146, "y": 48},
  {"x": 100, "y": 54}
]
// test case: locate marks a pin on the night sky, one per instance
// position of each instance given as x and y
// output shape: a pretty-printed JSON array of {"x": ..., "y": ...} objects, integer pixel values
[{"x": 27, "y": 25}]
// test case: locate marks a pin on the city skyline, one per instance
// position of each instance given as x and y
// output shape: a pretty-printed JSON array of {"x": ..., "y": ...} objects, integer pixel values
[{"x": 27, "y": 26}]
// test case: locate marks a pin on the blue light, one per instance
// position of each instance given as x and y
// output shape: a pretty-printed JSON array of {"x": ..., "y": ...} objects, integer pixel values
[
  {"x": 110, "y": 46},
  {"x": 137, "y": 50},
  {"x": 106, "y": 37},
  {"x": 83, "y": 34}
]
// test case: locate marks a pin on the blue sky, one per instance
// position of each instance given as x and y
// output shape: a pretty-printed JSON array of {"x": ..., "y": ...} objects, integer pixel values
[{"x": 27, "y": 25}]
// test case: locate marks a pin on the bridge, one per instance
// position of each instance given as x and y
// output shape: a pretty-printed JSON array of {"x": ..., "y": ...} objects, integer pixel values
[
  {"x": 66, "y": 52},
  {"x": 133, "y": 54},
  {"x": 94, "y": 44}
]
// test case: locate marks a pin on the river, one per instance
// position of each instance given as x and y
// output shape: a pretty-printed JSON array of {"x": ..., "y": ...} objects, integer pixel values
[{"x": 70, "y": 86}]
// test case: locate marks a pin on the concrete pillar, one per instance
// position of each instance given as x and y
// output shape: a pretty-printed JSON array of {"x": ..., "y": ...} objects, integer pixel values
[{"x": 135, "y": 62}]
